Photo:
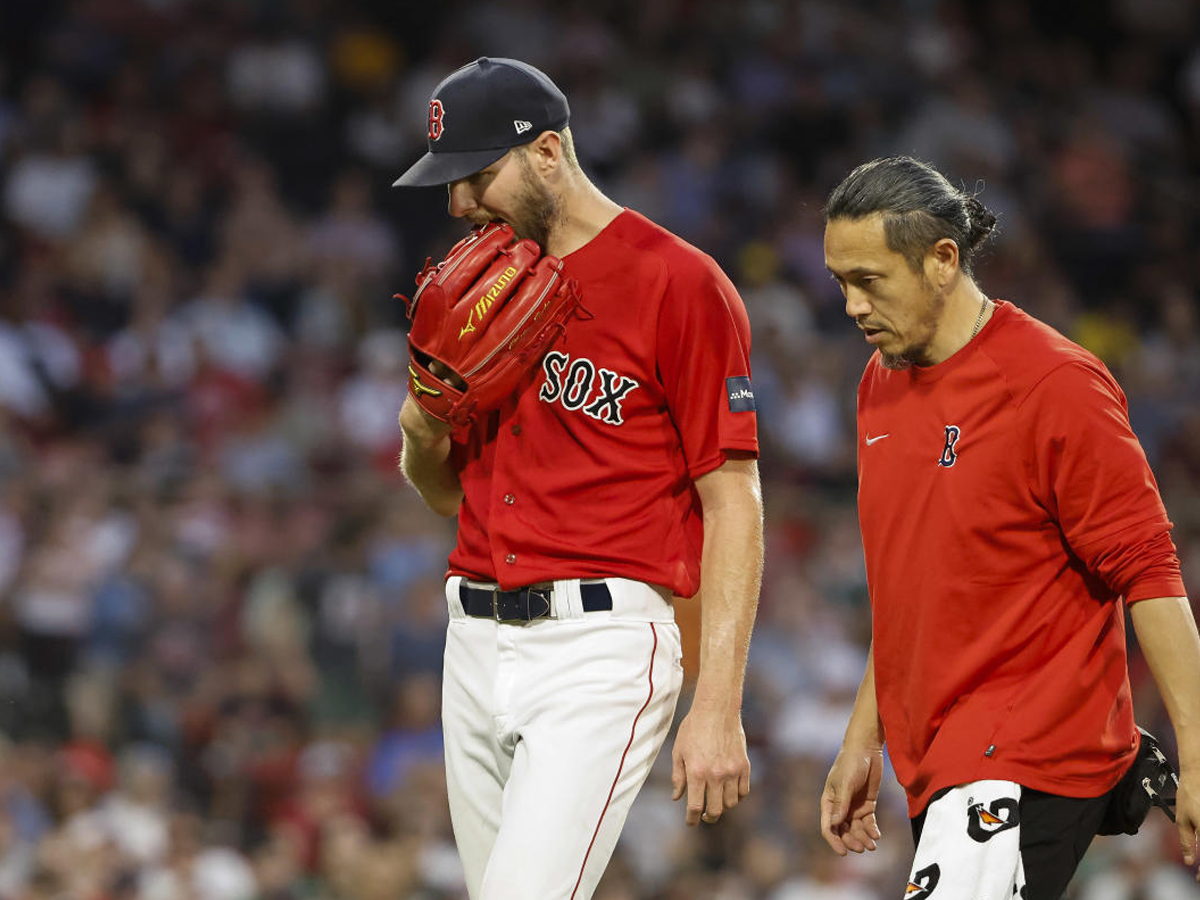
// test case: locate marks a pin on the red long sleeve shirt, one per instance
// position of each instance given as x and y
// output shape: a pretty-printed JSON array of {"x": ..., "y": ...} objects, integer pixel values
[{"x": 1006, "y": 507}]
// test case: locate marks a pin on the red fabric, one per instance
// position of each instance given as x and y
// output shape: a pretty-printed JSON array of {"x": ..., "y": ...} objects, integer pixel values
[
  {"x": 995, "y": 581},
  {"x": 597, "y": 488}
]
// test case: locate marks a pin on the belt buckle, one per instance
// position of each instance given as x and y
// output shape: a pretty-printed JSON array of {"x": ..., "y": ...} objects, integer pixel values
[{"x": 544, "y": 595}]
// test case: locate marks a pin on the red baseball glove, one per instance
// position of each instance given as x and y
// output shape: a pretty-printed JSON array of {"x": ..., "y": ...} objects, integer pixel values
[{"x": 481, "y": 319}]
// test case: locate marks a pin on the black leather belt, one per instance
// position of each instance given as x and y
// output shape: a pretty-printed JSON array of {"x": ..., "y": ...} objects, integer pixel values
[{"x": 526, "y": 604}]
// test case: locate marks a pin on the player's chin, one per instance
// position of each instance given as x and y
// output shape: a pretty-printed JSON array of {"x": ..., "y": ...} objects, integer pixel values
[{"x": 892, "y": 360}]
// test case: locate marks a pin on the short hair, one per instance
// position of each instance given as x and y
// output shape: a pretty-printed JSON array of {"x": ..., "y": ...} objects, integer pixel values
[
  {"x": 568, "y": 147},
  {"x": 919, "y": 208}
]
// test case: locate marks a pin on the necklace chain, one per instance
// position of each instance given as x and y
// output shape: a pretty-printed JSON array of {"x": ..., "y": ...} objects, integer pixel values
[{"x": 979, "y": 320}]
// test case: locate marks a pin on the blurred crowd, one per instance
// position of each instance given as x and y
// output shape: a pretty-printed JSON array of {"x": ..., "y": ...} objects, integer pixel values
[{"x": 220, "y": 608}]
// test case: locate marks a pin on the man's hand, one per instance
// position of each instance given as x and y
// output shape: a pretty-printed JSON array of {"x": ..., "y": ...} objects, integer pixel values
[
  {"x": 848, "y": 801},
  {"x": 709, "y": 763},
  {"x": 1187, "y": 815}
]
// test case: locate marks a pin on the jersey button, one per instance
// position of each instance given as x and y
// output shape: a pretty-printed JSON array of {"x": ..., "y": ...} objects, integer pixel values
[
  {"x": 511, "y": 558},
  {"x": 516, "y": 429},
  {"x": 510, "y": 499}
]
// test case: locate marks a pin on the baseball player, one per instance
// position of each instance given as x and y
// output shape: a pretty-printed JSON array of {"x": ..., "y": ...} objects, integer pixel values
[
  {"x": 618, "y": 472},
  {"x": 1006, "y": 509}
]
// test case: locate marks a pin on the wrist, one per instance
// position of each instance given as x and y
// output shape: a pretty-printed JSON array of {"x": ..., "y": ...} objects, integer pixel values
[
  {"x": 855, "y": 746},
  {"x": 865, "y": 740},
  {"x": 716, "y": 700},
  {"x": 420, "y": 427}
]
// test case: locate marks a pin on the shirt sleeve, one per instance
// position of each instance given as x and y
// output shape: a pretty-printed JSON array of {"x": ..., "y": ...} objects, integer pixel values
[
  {"x": 703, "y": 350},
  {"x": 1091, "y": 475}
]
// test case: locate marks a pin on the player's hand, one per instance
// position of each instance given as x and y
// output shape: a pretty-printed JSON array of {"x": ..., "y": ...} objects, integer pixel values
[
  {"x": 848, "y": 801},
  {"x": 448, "y": 375},
  {"x": 709, "y": 764},
  {"x": 1187, "y": 815}
]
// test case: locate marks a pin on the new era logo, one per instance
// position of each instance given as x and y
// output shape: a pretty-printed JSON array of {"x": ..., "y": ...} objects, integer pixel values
[{"x": 522, "y": 126}]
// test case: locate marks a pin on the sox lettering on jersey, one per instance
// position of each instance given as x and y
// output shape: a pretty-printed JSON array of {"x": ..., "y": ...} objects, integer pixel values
[{"x": 572, "y": 383}]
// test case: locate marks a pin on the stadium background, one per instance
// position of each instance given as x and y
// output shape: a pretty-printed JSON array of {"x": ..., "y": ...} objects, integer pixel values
[{"x": 220, "y": 609}]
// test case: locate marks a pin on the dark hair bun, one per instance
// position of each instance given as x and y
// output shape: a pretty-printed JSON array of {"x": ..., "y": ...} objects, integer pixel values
[{"x": 982, "y": 222}]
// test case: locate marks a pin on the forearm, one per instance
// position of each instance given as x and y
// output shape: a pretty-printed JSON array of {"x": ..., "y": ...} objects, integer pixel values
[
  {"x": 865, "y": 728},
  {"x": 1166, "y": 631},
  {"x": 730, "y": 578},
  {"x": 425, "y": 460}
]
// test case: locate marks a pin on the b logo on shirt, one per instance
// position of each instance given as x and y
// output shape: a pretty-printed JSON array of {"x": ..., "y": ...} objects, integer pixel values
[
  {"x": 572, "y": 383},
  {"x": 949, "y": 454}
]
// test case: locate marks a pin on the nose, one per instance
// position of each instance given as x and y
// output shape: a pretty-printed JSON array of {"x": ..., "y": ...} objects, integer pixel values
[
  {"x": 857, "y": 304},
  {"x": 462, "y": 200}
]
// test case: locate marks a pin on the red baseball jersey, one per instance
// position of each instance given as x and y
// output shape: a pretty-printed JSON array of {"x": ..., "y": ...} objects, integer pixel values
[
  {"x": 1006, "y": 507},
  {"x": 588, "y": 471}
]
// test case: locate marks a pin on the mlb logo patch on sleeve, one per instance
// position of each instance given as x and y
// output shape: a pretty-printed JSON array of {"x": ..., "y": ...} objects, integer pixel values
[{"x": 741, "y": 395}]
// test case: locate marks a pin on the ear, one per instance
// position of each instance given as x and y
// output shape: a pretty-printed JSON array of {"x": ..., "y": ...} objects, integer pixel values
[
  {"x": 942, "y": 263},
  {"x": 545, "y": 152}
]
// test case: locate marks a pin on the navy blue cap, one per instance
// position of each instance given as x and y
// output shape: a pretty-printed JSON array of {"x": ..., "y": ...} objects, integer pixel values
[{"x": 479, "y": 113}]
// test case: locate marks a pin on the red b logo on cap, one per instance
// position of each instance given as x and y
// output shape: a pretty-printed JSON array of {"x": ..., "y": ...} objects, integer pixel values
[{"x": 435, "y": 119}]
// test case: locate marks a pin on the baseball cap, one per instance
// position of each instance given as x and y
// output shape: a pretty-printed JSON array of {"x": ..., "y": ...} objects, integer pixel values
[{"x": 481, "y": 111}]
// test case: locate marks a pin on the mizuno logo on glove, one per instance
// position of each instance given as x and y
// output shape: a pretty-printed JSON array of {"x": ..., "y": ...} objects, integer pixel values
[
  {"x": 417, "y": 388},
  {"x": 484, "y": 303}
]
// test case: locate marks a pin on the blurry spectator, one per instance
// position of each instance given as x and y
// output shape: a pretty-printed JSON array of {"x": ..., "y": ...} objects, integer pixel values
[
  {"x": 415, "y": 736},
  {"x": 48, "y": 189},
  {"x": 107, "y": 257},
  {"x": 39, "y": 361},
  {"x": 377, "y": 133},
  {"x": 1137, "y": 871},
  {"x": 963, "y": 127},
  {"x": 154, "y": 351},
  {"x": 276, "y": 72},
  {"x": 234, "y": 334},
  {"x": 135, "y": 815},
  {"x": 261, "y": 239},
  {"x": 369, "y": 400},
  {"x": 350, "y": 234}
]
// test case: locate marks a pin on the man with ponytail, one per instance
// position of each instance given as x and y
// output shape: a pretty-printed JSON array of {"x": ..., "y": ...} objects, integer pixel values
[{"x": 1009, "y": 517}]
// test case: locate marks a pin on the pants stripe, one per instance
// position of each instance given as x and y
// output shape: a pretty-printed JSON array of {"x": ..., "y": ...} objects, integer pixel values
[{"x": 621, "y": 766}]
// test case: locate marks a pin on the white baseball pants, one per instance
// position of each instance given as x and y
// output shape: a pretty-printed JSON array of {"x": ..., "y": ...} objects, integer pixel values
[{"x": 551, "y": 727}]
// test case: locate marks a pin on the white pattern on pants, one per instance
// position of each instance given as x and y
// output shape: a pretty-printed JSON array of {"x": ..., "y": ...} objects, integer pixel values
[
  {"x": 551, "y": 728},
  {"x": 970, "y": 845}
]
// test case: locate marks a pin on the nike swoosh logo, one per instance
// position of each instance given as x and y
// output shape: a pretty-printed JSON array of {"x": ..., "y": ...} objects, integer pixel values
[{"x": 872, "y": 440}]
